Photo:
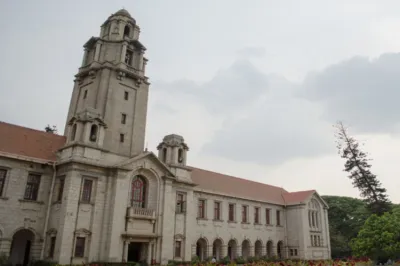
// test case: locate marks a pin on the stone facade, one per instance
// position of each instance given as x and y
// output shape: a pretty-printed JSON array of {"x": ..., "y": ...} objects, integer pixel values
[{"x": 104, "y": 198}]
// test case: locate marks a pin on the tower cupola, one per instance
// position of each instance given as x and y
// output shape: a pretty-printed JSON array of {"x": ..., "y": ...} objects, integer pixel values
[{"x": 173, "y": 150}]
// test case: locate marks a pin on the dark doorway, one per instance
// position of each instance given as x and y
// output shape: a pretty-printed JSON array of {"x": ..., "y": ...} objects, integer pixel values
[
  {"x": 134, "y": 251},
  {"x": 20, "y": 253},
  {"x": 27, "y": 253}
]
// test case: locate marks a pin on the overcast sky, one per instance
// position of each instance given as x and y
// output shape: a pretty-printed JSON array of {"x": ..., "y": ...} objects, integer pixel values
[{"x": 254, "y": 87}]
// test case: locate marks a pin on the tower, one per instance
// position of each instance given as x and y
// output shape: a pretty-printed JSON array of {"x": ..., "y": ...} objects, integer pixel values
[
  {"x": 173, "y": 150},
  {"x": 108, "y": 107}
]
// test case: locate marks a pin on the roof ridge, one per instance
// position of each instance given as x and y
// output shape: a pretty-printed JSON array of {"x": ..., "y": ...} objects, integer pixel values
[
  {"x": 241, "y": 178},
  {"x": 31, "y": 129}
]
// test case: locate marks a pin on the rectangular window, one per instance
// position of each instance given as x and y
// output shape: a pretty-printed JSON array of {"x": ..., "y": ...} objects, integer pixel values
[
  {"x": 128, "y": 57},
  {"x": 87, "y": 190},
  {"x": 257, "y": 215},
  {"x": 201, "y": 209},
  {"x": 121, "y": 138},
  {"x": 267, "y": 216},
  {"x": 291, "y": 252},
  {"x": 178, "y": 248},
  {"x": 278, "y": 217},
  {"x": 126, "y": 95},
  {"x": 60, "y": 189},
  {"x": 231, "y": 217},
  {"x": 244, "y": 214},
  {"x": 295, "y": 252},
  {"x": 217, "y": 210},
  {"x": 32, "y": 187},
  {"x": 180, "y": 203},
  {"x": 123, "y": 118},
  {"x": 85, "y": 94},
  {"x": 3, "y": 174},
  {"x": 80, "y": 247},
  {"x": 52, "y": 246}
]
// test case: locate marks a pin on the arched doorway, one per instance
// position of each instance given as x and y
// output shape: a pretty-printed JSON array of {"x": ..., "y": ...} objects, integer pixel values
[
  {"x": 269, "y": 249},
  {"x": 245, "y": 249},
  {"x": 258, "y": 249},
  {"x": 232, "y": 249},
  {"x": 280, "y": 249},
  {"x": 201, "y": 249},
  {"x": 217, "y": 249},
  {"x": 21, "y": 247}
]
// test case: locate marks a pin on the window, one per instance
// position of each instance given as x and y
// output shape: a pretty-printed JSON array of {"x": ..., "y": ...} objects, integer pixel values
[
  {"x": 87, "y": 190},
  {"x": 3, "y": 174},
  {"x": 126, "y": 95},
  {"x": 319, "y": 241},
  {"x": 93, "y": 133},
  {"x": 73, "y": 132},
  {"x": 128, "y": 57},
  {"x": 60, "y": 189},
  {"x": 231, "y": 215},
  {"x": 123, "y": 118},
  {"x": 312, "y": 240},
  {"x": 244, "y": 214},
  {"x": 278, "y": 217},
  {"x": 267, "y": 216},
  {"x": 52, "y": 246},
  {"x": 138, "y": 192},
  {"x": 180, "y": 203},
  {"x": 164, "y": 154},
  {"x": 32, "y": 187},
  {"x": 178, "y": 248},
  {"x": 121, "y": 138},
  {"x": 217, "y": 210},
  {"x": 291, "y": 252},
  {"x": 312, "y": 219},
  {"x": 256, "y": 215},
  {"x": 85, "y": 94},
  {"x": 201, "y": 209},
  {"x": 80, "y": 247},
  {"x": 315, "y": 241},
  {"x": 295, "y": 252},
  {"x": 126, "y": 31},
  {"x": 180, "y": 155}
]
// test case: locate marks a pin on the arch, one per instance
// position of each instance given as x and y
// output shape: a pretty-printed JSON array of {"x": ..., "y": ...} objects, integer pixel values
[
  {"x": 217, "y": 248},
  {"x": 127, "y": 30},
  {"x": 279, "y": 249},
  {"x": 270, "y": 249},
  {"x": 180, "y": 155},
  {"x": 21, "y": 246},
  {"x": 232, "y": 249},
  {"x": 258, "y": 249},
  {"x": 246, "y": 248},
  {"x": 201, "y": 248},
  {"x": 139, "y": 191},
  {"x": 73, "y": 132},
  {"x": 93, "y": 133}
]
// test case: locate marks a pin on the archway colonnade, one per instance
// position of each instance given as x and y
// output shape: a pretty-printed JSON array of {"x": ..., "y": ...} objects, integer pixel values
[{"x": 219, "y": 249}]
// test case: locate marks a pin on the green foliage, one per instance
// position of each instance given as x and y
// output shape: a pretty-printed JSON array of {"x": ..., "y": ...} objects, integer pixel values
[
  {"x": 195, "y": 259},
  {"x": 359, "y": 171},
  {"x": 226, "y": 260},
  {"x": 346, "y": 217},
  {"x": 4, "y": 260},
  {"x": 240, "y": 260},
  {"x": 379, "y": 238}
]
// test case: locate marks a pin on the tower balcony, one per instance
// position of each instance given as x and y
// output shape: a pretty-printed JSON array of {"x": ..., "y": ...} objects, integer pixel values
[{"x": 140, "y": 213}]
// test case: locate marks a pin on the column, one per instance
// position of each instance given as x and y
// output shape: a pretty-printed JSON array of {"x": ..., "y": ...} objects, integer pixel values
[
  {"x": 84, "y": 59},
  {"x": 251, "y": 251},
  {"x": 148, "y": 253},
  {"x": 125, "y": 251},
  {"x": 97, "y": 54},
  {"x": 123, "y": 52}
]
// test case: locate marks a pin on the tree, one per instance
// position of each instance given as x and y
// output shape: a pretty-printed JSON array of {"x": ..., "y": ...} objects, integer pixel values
[
  {"x": 359, "y": 172},
  {"x": 52, "y": 129},
  {"x": 379, "y": 238},
  {"x": 346, "y": 217}
]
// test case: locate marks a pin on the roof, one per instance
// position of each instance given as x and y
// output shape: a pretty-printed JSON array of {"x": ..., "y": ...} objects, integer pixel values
[
  {"x": 28, "y": 142},
  {"x": 216, "y": 182},
  {"x": 22, "y": 141}
]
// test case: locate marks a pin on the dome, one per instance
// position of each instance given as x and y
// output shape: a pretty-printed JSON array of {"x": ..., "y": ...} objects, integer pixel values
[{"x": 122, "y": 12}]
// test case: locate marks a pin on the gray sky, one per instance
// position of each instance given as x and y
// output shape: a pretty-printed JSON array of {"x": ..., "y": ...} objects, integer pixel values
[{"x": 254, "y": 87}]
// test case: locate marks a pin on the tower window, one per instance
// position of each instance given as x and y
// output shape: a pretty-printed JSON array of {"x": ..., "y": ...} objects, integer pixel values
[
  {"x": 180, "y": 155},
  {"x": 73, "y": 132},
  {"x": 128, "y": 57},
  {"x": 164, "y": 155},
  {"x": 126, "y": 31},
  {"x": 93, "y": 133},
  {"x": 126, "y": 95},
  {"x": 123, "y": 118},
  {"x": 121, "y": 138},
  {"x": 85, "y": 94}
]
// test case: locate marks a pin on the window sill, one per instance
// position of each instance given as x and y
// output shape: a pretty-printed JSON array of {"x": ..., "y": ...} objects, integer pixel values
[
  {"x": 180, "y": 212},
  {"x": 200, "y": 218},
  {"x": 278, "y": 225},
  {"x": 257, "y": 224},
  {"x": 232, "y": 222},
  {"x": 86, "y": 203},
  {"x": 56, "y": 202},
  {"x": 245, "y": 223},
  {"x": 31, "y": 201},
  {"x": 4, "y": 198},
  {"x": 217, "y": 220},
  {"x": 271, "y": 225}
]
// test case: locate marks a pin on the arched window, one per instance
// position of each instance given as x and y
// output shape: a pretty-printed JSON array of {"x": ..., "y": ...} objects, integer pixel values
[
  {"x": 138, "y": 192},
  {"x": 73, "y": 132},
  {"x": 164, "y": 157},
  {"x": 126, "y": 31},
  {"x": 93, "y": 133},
  {"x": 314, "y": 214},
  {"x": 180, "y": 155}
]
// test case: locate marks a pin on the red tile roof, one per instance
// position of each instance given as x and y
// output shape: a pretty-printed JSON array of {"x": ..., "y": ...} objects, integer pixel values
[
  {"x": 28, "y": 142},
  {"x": 38, "y": 144}
]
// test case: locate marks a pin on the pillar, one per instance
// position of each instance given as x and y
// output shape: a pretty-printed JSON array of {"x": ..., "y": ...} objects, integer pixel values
[
  {"x": 85, "y": 55},
  {"x": 123, "y": 52},
  {"x": 148, "y": 253},
  {"x": 125, "y": 251},
  {"x": 97, "y": 53}
]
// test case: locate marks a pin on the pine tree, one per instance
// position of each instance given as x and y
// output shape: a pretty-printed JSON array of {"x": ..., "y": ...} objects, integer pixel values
[
  {"x": 50, "y": 129},
  {"x": 359, "y": 171}
]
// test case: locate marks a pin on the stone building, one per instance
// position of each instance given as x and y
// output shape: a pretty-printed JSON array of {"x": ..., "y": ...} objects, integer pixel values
[{"x": 95, "y": 194}]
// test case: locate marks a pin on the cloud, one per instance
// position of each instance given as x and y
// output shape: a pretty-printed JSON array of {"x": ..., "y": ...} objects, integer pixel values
[
  {"x": 364, "y": 93},
  {"x": 252, "y": 52}
]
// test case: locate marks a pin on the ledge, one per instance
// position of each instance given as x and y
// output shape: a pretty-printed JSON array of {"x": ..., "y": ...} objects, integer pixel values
[
  {"x": 32, "y": 201},
  {"x": 4, "y": 198}
]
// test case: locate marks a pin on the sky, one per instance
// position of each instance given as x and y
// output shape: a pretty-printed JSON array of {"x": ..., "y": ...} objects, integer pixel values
[{"x": 254, "y": 87}]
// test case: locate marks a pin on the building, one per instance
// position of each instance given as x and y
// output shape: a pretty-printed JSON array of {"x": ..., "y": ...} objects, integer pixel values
[{"x": 95, "y": 194}]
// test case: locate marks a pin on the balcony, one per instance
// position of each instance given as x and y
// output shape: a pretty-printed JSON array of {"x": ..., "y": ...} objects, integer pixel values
[{"x": 140, "y": 213}]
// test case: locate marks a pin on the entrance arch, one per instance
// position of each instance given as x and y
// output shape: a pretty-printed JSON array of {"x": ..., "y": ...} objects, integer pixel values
[
  {"x": 258, "y": 249},
  {"x": 270, "y": 249},
  {"x": 21, "y": 247},
  {"x": 201, "y": 249},
  {"x": 232, "y": 249},
  {"x": 245, "y": 249},
  {"x": 280, "y": 249},
  {"x": 217, "y": 249}
]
